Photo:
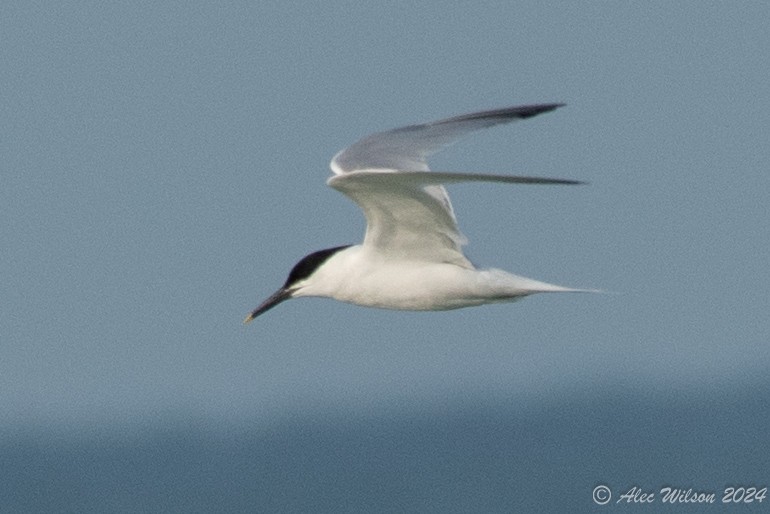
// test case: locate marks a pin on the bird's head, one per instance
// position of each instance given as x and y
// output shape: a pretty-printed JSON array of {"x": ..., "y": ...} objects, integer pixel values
[{"x": 299, "y": 276}]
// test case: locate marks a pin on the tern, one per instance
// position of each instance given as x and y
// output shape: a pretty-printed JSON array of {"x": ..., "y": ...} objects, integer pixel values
[{"x": 411, "y": 257}]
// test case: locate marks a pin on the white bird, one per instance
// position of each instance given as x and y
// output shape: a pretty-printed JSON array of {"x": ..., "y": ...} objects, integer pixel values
[{"x": 411, "y": 257}]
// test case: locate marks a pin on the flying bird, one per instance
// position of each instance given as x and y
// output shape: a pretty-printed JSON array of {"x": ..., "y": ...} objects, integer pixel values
[{"x": 411, "y": 257}]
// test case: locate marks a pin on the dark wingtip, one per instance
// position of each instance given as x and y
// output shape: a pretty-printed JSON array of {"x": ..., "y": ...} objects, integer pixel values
[
  {"x": 528, "y": 111},
  {"x": 508, "y": 113}
]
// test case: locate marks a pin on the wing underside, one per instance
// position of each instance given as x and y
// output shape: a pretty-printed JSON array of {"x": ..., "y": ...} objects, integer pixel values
[{"x": 407, "y": 219}]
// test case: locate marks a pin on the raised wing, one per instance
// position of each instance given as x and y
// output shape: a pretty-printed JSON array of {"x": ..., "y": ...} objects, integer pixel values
[
  {"x": 408, "y": 148},
  {"x": 407, "y": 210}
]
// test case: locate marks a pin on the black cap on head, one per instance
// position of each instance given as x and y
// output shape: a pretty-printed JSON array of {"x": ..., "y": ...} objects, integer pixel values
[
  {"x": 302, "y": 270},
  {"x": 309, "y": 263}
]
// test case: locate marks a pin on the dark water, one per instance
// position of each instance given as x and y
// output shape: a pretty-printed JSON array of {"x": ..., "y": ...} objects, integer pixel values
[{"x": 491, "y": 458}]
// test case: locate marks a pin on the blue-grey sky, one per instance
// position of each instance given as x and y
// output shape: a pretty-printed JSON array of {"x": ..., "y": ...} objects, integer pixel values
[{"x": 163, "y": 167}]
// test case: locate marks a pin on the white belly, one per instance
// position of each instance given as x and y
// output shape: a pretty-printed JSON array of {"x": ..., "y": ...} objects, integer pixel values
[{"x": 427, "y": 286}]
